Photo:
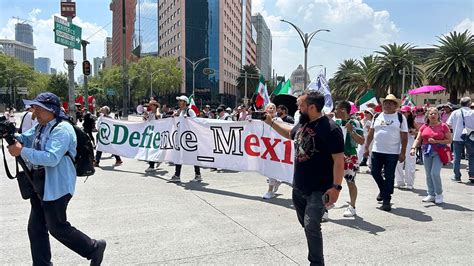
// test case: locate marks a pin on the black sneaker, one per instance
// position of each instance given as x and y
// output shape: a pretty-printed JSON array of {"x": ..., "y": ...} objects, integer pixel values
[{"x": 98, "y": 255}]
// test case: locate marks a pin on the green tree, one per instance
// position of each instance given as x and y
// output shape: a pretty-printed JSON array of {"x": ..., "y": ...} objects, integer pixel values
[
  {"x": 13, "y": 74},
  {"x": 58, "y": 84},
  {"x": 387, "y": 74},
  {"x": 452, "y": 64},
  {"x": 252, "y": 82},
  {"x": 38, "y": 83}
]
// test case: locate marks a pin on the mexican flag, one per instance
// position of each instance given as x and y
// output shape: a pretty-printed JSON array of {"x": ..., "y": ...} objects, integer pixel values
[
  {"x": 262, "y": 93},
  {"x": 286, "y": 88},
  {"x": 279, "y": 86},
  {"x": 368, "y": 97},
  {"x": 407, "y": 100},
  {"x": 193, "y": 106}
]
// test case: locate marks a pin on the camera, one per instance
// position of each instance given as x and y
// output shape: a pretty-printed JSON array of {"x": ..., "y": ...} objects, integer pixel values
[
  {"x": 259, "y": 115},
  {"x": 7, "y": 130}
]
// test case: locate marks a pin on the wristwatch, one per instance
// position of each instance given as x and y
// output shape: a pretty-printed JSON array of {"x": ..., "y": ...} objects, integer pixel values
[{"x": 336, "y": 186}]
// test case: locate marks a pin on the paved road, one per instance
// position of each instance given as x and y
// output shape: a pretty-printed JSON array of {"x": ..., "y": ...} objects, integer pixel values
[{"x": 224, "y": 220}]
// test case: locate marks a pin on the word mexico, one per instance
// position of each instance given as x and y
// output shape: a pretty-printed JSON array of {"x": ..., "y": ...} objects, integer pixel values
[{"x": 239, "y": 146}]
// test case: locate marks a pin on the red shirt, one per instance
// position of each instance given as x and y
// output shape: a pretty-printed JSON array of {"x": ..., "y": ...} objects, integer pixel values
[{"x": 436, "y": 132}]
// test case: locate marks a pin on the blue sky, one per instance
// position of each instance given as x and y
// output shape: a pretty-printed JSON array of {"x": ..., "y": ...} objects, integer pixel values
[{"x": 357, "y": 27}]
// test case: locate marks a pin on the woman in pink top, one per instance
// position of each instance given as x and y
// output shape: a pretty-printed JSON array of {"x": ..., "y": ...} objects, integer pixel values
[{"x": 432, "y": 134}]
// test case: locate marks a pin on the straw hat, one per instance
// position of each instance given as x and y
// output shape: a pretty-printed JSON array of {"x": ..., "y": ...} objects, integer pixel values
[{"x": 392, "y": 98}]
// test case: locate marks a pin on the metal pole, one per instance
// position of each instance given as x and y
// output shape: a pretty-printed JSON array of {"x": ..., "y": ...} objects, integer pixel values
[
  {"x": 305, "y": 43},
  {"x": 412, "y": 86},
  {"x": 151, "y": 85},
  {"x": 403, "y": 81},
  {"x": 194, "y": 69},
  {"x": 245, "y": 98},
  {"x": 71, "y": 89},
  {"x": 124, "y": 65},
  {"x": 86, "y": 91}
]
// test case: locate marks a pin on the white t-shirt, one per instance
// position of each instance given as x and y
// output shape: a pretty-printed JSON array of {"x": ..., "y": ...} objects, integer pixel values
[
  {"x": 28, "y": 122},
  {"x": 455, "y": 122},
  {"x": 387, "y": 133},
  {"x": 187, "y": 112}
]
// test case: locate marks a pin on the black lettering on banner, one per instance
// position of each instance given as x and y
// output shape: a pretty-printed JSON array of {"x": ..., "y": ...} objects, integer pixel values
[
  {"x": 175, "y": 140},
  {"x": 230, "y": 143},
  {"x": 205, "y": 159},
  {"x": 188, "y": 141},
  {"x": 166, "y": 141}
]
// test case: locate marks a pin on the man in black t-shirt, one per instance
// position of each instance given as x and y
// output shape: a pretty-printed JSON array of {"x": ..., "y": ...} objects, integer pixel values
[
  {"x": 319, "y": 167},
  {"x": 282, "y": 112}
]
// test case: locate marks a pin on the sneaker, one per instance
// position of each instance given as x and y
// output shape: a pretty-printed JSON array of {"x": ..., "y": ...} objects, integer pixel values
[
  {"x": 438, "y": 199},
  {"x": 268, "y": 195},
  {"x": 428, "y": 199},
  {"x": 149, "y": 169},
  {"x": 276, "y": 186},
  {"x": 367, "y": 171},
  {"x": 350, "y": 212},
  {"x": 98, "y": 255},
  {"x": 399, "y": 185},
  {"x": 386, "y": 206},
  {"x": 456, "y": 179},
  {"x": 118, "y": 163},
  {"x": 175, "y": 179},
  {"x": 325, "y": 217},
  {"x": 197, "y": 178}
]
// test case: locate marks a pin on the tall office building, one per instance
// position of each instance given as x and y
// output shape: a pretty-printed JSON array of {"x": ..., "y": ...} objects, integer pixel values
[
  {"x": 43, "y": 65},
  {"x": 264, "y": 46},
  {"x": 22, "y": 51},
  {"x": 219, "y": 33},
  {"x": 116, "y": 8},
  {"x": 24, "y": 33},
  {"x": 145, "y": 37},
  {"x": 97, "y": 64},
  {"x": 107, "y": 53}
]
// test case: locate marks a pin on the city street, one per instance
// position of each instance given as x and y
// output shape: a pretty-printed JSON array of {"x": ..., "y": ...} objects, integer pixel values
[{"x": 224, "y": 220}]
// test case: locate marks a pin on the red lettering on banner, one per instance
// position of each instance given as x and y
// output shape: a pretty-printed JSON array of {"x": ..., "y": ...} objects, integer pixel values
[
  {"x": 251, "y": 140},
  {"x": 270, "y": 149},
  {"x": 269, "y": 145},
  {"x": 288, "y": 144}
]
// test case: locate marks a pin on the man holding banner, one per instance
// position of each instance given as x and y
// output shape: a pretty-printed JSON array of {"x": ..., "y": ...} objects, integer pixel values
[
  {"x": 185, "y": 111},
  {"x": 318, "y": 167}
]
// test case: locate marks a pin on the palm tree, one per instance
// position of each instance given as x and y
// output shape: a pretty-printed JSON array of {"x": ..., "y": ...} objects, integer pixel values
[
  {"x": 353, "y": 78},
  {"x": 387, "y": 74},
  {"x": 252, "y": 81},
  {"x": 452, "y": 64}
]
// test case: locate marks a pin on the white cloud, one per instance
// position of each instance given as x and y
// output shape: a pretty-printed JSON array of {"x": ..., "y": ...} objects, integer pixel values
[
  {"x": 258, "y": 6},
  {"x": 353, "y": 23},
  {"x": 466, "y": 24},
  {"x": 43, "y": 38}
]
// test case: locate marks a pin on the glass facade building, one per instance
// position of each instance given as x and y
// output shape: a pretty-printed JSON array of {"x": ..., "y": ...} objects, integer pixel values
[
  {"x": 202, "y": 41},
  {"x": 145, "y": 37}
]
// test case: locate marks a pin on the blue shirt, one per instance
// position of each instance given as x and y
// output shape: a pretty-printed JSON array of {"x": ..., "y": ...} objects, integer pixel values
[{"x": 60, "y": 177}]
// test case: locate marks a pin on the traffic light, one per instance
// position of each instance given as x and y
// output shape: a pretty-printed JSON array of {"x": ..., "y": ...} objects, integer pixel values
[{"x": 86, "y": 68}]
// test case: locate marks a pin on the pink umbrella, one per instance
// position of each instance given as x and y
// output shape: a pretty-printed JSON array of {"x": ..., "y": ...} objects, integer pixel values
[
  {"x": 353, "y": 108},
  {"x": 426, "y": 89}
]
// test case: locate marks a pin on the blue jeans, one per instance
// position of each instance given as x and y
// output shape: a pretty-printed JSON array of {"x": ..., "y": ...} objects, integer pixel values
[
  {"x": 310, "y": 210},
  {"x": 433, "y": 166},
  {"x": 387, "y": 162},
  {"x": 458, "y": 147}
]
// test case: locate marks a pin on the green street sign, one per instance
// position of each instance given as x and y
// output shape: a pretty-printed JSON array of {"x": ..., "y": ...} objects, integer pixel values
[{"x": 67, "y": 34}]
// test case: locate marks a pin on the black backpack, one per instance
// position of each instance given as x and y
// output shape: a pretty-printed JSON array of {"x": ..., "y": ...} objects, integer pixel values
[
  {"x": 84, "y": 160},
  {"x": 400, "y": 117}
]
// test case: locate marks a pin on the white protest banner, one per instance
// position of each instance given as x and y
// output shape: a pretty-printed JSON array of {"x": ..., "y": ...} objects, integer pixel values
[{"x": 239, "y": 146}]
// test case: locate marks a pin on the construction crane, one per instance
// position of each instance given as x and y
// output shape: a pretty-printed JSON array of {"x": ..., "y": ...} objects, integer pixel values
[{"x": 21, "y": 20}]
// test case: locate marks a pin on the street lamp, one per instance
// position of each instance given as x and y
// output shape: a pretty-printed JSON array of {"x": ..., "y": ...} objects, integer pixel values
[
  {"x": 195, "y": 65},
  {"x": 306, "y": 39},
  {"x": 318, "y": 66},
  {"x": 151, "y": 81}
]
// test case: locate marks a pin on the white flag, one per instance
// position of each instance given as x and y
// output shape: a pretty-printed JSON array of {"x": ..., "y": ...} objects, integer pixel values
[{"x": 320, "y": 84}]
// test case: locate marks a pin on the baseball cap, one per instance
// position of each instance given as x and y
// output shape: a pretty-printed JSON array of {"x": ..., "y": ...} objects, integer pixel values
[{"x": 183, "y": 98}]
